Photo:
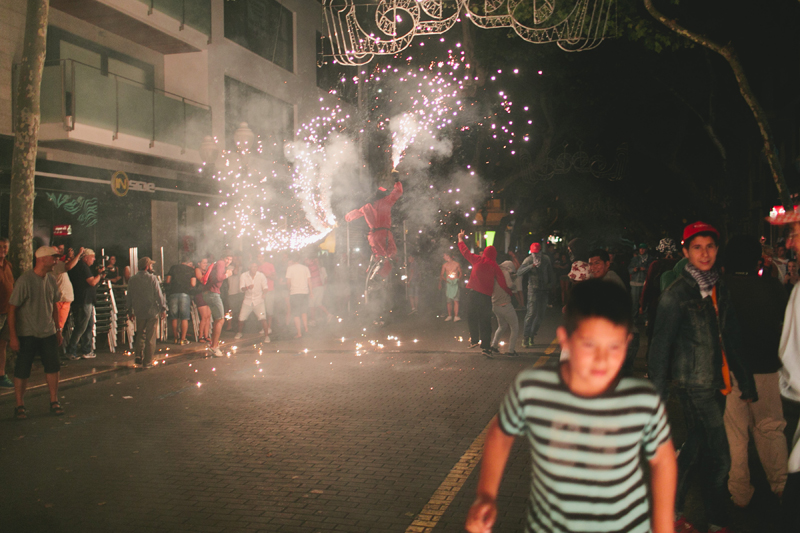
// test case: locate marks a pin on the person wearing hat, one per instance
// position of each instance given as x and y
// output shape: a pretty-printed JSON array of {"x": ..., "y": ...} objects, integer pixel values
[
  {"x": 638, "y": 271},
  {"x": 33, "y": 329},
  {"x": 541, "y": 281},
  {"x": 696, "y": 342},
  {"x": 84, "y": 288},
  {"x": 146, "y": 303},
  {"x": 789, "y": 376}
]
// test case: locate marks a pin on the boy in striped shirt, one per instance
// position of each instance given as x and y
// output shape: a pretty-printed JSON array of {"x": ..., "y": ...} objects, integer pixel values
[{"x": 588, "y": 429}]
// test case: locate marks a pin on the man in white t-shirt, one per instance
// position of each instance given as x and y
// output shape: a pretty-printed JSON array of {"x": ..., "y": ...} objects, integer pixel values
[
  {"x": 298, "y": 280},
  {"x": 254, "y": 286},
  {"x": 63, "y": 265}
]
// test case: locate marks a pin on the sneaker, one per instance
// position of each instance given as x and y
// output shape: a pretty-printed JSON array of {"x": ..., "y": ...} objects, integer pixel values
[
  {"x": 74, "y": 357},
  {"x": 512, "y": 353},
  {"x": 90, "y": 355},
  {"x": 474, "y": 345},
  {"x": 457, "y": 319},
  {"x": 488, "y": 353},
  {"x": 184, "y": 342},
  {"x": 6, "y": 383},
  {"x": 237, "y": 336},
  {"x": 683, "y": 526},
  {"x": 448, "y": 319},
  {"x": 266, "y": 339},
  {"x": 216, "y": 352}
]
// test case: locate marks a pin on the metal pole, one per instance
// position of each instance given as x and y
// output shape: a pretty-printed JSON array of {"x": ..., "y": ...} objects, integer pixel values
[
  {"x": 405, "y": 257},
  {"x": 163, "y": 276},
  {"x": 349, "y": 285}
]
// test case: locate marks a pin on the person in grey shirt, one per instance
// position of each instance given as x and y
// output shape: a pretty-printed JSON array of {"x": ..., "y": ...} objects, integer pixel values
[
  {"x": 600, "y": 267},
  {"x": 33, "y": 329},
  {"x": 146, "y": 303}
]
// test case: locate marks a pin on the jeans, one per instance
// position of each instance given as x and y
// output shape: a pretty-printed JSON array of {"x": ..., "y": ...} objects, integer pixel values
[
  {"x": 705, "y": 452},
  {"x": 479, "y": 318},
  {"x": 636, "y": 292},
  {"x": 537, "y": 306},
  {"x": 144, "y": 344},
  {"x": 180, "y": 306},
  {"x": 82, "y": 338},
  {"x": 506, "y": 319}
]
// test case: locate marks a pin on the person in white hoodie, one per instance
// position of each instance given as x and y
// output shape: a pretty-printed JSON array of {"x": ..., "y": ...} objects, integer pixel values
[
  {"x": 504, "y": 311},
  {"x": 789, "y": 351}
]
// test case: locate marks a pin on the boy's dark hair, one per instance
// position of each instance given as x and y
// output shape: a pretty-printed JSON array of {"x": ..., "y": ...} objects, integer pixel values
[
  {"x": 602, "y": 254},
  {"x": 601, "y": 299},
  {"x": 711, "y": 234}
]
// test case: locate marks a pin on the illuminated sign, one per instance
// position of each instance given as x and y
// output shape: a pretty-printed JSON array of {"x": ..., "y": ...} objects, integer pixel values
[
  {"x": 62, "y": 231},
  {"x": 120, "y": 184}
]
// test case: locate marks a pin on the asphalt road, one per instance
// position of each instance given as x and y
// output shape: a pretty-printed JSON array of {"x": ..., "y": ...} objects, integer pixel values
[{"x": 345, "y": 431}]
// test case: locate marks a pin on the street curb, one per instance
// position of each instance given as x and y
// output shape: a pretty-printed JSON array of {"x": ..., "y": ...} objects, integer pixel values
[{"x": 118, "y": 368}]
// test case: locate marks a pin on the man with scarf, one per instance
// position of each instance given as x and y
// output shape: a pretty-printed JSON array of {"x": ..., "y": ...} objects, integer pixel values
[
  {"x": 540, "y": 283},
  {"x": 696, "y": 343}
]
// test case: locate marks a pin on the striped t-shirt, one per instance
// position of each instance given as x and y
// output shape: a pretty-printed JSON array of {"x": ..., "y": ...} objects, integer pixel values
[{"x": 586, "y": 452}]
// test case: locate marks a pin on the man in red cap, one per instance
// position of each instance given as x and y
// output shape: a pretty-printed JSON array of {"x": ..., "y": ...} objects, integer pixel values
[
  {"x": 378, "y": 215},
  {"x": 541, "y": 281},
  {"x": 696, "y": 342}
]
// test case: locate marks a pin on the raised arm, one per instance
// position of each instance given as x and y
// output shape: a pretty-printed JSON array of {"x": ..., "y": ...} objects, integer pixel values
[
  {"x": 462, "y": 247},
  {"x": 354, "y": 214}
]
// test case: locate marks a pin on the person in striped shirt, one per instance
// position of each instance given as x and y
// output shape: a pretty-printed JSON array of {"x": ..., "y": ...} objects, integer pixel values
[{"x": 588, "y": 429}]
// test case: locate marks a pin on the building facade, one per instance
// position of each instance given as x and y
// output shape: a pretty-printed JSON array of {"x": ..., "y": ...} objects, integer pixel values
[{"x": 130, "y": 89}]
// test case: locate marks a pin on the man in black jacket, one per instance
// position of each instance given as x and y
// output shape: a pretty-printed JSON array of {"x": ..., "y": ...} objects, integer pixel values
[{"x": 696, "y": 342}]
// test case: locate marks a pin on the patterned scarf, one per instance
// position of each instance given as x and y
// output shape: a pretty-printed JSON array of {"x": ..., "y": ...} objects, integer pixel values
[{"x": 706, "y": 279}]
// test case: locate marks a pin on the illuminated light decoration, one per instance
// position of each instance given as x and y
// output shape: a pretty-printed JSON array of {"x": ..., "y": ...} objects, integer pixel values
[{"x": 574, "y": 25}]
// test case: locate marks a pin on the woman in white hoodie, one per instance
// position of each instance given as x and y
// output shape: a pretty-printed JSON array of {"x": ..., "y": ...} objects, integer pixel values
[{"x": 504, "y": 311}]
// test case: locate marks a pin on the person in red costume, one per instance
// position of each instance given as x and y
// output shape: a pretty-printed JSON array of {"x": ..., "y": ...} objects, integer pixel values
[
  {"x": 485, "y": 271},
  {"x": 378, "y": 215}
]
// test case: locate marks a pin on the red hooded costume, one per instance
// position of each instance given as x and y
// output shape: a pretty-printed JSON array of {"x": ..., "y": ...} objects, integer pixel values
[
  {"x": 485, "y": 270},
  {"x": 378, "y": 215}
]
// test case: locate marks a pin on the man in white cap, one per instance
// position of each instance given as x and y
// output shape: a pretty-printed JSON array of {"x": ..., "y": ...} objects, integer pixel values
[
  {"x": 33, "y": 330},
  {"x": 84, "y": 287},
  {"x": 146, "y": 303}
]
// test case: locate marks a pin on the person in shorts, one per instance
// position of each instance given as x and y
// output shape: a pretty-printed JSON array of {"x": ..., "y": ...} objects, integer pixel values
[
  {"x": 180, "y": 284},
  {"x": 451, "y": 276},
  {"x": 33, "y": 330},
  {"x": 589, "y": 431},
  {"x": 298, "y": 281},
  {"x": 253, "y": 285},
  {"x": 213, "y": 298}
]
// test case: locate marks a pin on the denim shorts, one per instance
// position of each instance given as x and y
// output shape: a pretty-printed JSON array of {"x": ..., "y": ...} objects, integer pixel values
[
  {"x": 180, "y": 306},
  {"x": 214, "y": 302}
]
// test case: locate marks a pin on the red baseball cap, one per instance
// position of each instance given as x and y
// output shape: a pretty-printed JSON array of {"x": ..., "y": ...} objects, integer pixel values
[
  {"x": 698, "y": 227},
  {"x": 536, "y": 248}
]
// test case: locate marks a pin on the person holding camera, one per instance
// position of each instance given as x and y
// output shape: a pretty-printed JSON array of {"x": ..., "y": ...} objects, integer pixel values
[{"x": 84, "y": 286}]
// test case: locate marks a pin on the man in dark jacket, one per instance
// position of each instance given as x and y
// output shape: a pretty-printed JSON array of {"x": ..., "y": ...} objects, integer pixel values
[
  {"x": 696, "y": 342},
  {"x": 540, "y": 282},
  {"x": 759, "y": 303},
  {"x": 480, "y": 287}
]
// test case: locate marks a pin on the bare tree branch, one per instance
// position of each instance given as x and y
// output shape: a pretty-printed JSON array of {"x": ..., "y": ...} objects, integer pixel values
[{"x": 729, "y": 53}]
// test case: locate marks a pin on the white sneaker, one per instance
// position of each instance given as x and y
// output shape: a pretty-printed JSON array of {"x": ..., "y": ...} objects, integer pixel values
[
  {"x": 457, "y": 319},
  {"x": 216, "y": 352},
  {"x": 266, "y": 339},
  {"x": 237, "y": 336},
  {"x": 448, "y": 319},
  {"x": 90, "y": 355}
]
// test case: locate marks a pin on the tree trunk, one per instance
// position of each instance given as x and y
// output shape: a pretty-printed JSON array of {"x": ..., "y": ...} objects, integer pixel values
[
  {"x": 23, "y": 163},
  {"x": 729, "y": 53}
]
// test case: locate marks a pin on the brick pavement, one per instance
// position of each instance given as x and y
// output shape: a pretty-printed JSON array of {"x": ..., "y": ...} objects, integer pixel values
[{"x": 281, "y": 440}]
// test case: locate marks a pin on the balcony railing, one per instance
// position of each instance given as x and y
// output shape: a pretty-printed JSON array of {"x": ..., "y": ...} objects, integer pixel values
[
  {"x": 194, "y": 13},
  {"x": 76, "y": 93}
]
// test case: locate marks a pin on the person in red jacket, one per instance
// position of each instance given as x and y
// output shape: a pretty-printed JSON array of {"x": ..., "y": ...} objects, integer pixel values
[
  {"x": 485, "y": 271},
  {"x": 378, "y": 215}
]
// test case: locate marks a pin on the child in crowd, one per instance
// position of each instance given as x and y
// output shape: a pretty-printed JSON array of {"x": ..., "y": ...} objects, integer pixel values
[
  {"x": 451, "y": 274},
  {"x": 588, "y": 428}
]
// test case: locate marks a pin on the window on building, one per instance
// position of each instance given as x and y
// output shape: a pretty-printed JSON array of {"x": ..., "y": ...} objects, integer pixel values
[
  {"x": 269, "y": 117},
  {"x": 332, "y": 76},
  {"x": 264, "y": 27}
]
